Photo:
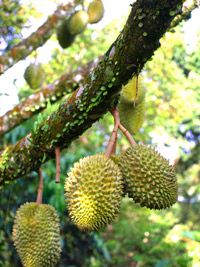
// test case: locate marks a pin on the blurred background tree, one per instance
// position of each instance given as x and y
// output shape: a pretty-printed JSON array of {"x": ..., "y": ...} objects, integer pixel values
[{"x": 140, "y": 237}]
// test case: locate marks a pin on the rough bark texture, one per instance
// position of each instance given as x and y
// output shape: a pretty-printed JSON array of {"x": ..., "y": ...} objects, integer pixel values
[
  {"x": 39, "y": 100},
  {"x": 148, "y": 21},
  {"x": 35, "y": 40}
]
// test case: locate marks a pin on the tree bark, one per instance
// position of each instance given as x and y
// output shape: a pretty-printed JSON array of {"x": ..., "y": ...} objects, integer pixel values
[{"x": 135, "y": 45}]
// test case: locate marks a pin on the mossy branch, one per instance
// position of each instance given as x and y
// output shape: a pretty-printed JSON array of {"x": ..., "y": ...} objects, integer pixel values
[
  {"x": 38, "y": 101},
  {"x": 35, "y": 40},
  {"x": 148, "y": 21},
  {"x": 186, "y": 13}
]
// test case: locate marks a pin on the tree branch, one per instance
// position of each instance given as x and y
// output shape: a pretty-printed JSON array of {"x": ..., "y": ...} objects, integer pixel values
[
  {"x": 186, "y": 14},
  {"x": 35, "y": 40},
  {"x": 39, "y": 100},
  {"x": 148, "y": 21}
]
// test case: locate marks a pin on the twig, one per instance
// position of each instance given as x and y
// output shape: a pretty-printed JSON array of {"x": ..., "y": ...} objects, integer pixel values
[
  {"x": 127, "y": 134},
  {"x": 57, "y": 151},
  {"x": 40, "y": 187},
  {"x": 186, "y": 14},
  {"x": 113, "y": 138}
]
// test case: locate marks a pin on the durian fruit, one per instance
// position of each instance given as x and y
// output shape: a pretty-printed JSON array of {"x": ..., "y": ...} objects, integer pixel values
[
  {"x": 34, "y": 75},
  {"x": 148, "y": 177},
  {"x": 115, "y": 158},
  {"x": 132, "y": 117},
  {"x": 95, "y": 11},
  {"x": 132, "y": 92},
  {"x": 64, "y": 37},
  {"x": 36, "y": 235},
  {"x": 93, "y": 192},
  {"x": 78, "y": 22},
  {"x": 132, "y": 105}
]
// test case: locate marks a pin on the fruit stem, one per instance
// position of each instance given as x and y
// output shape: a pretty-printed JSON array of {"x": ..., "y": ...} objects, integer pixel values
[
  {"x": 57, "y": 151},
  {"x": 127, "y": 134},
  {"x": 113, "y": 138},
  {"x": 40, "y": 187}
]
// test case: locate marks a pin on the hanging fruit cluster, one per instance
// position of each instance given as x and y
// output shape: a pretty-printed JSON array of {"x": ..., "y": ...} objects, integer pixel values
[
  {"x": 70, "y": 27},
  {"x": 96, "y": 184}
]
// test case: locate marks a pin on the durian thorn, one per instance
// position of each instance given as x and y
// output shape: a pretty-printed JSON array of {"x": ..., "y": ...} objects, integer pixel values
[
  {"x": 40, "y": 187},
  {"x": 127, "y": 134},
  {"x": 113, "y": 138},
  {"x": 57, "y": 152}
]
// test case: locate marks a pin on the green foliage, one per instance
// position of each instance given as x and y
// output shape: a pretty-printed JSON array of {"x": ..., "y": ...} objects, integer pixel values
[
  {"x": 9, "y": 24},
  {"x": 13, "y": 15},
  {"x": 148, "y": 238}
]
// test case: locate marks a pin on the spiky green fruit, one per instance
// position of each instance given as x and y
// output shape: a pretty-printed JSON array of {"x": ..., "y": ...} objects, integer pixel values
[
  {"x": 149, "y": 179},
  {"x": 132, "y": 117},
  {"x": 36, "y": 235},
  {"x": 133, "y": 92},
  {"x": 93, "y": 192},
  {"x": 64, "y": 37},
  {"x": 95, "y": 11},
  {"x": 132, "y": 105},
  {"x": 34, "y": 75},
  {"x": 78, "y": 22},
  {"x": 115, "y": 158}
]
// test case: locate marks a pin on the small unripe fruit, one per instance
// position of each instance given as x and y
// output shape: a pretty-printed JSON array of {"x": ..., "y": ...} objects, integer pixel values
[
  {"x": 78, "y": 22},
  {"x": 132, "y": 105},
  {"x": 64, "y": 37},
  {"x": 95, "y": 11},
  {"x": 133, "y": 92},
  {"x": 34, "y": 75},
  {"x": 132, "y": 116}
]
